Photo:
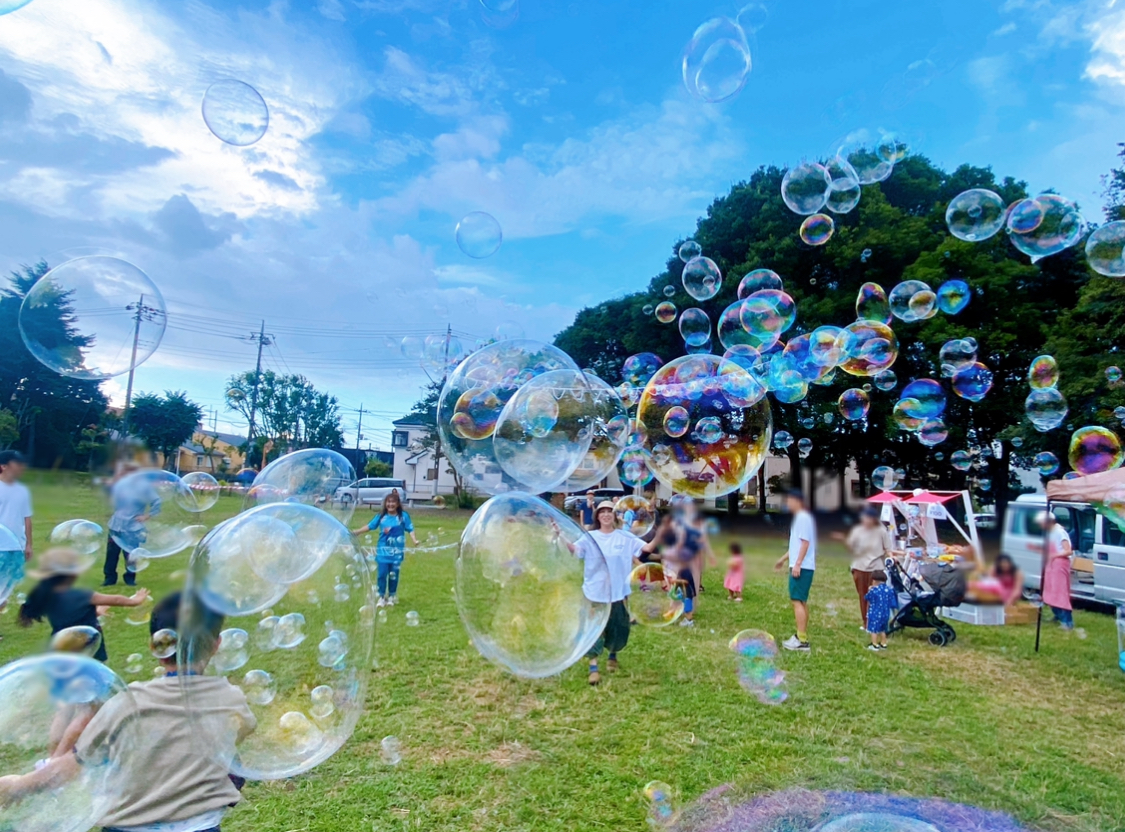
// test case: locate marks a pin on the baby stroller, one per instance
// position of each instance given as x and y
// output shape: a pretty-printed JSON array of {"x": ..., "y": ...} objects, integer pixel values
[{"x": 941, "y": 586}]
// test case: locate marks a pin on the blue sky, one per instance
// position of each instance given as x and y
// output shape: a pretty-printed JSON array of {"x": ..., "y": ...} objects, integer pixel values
[{"x": 569, "y": 122}]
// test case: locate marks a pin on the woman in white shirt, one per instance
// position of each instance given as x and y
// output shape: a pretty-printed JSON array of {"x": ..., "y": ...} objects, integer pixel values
[{"x": 606, "y": 581}]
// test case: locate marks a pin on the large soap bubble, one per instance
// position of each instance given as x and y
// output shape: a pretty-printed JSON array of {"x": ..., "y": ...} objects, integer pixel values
[
  {"x": 868, "y": 347},
  {"x": 805, "y": 188},
  {"x": 872, "y": 304},
  {"x": 525, "y": 576},
  {"x": 545, "y": 429},
  {"x": 729, "y": 425},
  {"x": 695, "y": 327},
  {"x": 152, "y": 510},
  {"x": 636, "y": 514},
  {"x": 609, "y": 430},
  {"x": 1044, "y": 225},
  {"x": 83, "y": 536},
  {"x": 313, "y": 476},
  {"x": 930, "y": 398},
  {"x": 817, "y": 229},
  {"x": 766, "y": 315},
  {"x": 235, "y": 112},
  {"x": 1095, "y": 449},
  {"x": 1046, "y": 408},
  {"x": 871, "y": 155},
  {"x": 46, "y": 698},
  {"x": 299, "y": 619},
  {"x": 639, "y": 368},
  {"x": 972, "y": 382},
  {"x": 1043, "y": 372},
  {"x": 81, "y": 318},
  {"x": 205, "y": 489},
  {"x": 1105, "y": 250},
  {"x": 975, "y": 215},
  {"x": 479, "y": 235},
  {"x": 654, "y": 598},
  {"x": 913, "y": 300},
  {"x": 473, "y": 397},
  {"x": 702, "y": 278},
  {"x": 757, "y": 280},
  {"x": 716, "y": 61},
  {"x": 8, "y": 6},
  {"x": 953, "y": 296}
]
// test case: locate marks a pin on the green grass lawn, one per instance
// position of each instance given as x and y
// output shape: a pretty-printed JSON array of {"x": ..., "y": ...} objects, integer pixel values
[{"x": 985, "y": 721}]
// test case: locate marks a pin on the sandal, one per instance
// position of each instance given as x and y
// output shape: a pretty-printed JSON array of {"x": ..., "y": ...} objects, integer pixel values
[{"x": 595, "y": 678}]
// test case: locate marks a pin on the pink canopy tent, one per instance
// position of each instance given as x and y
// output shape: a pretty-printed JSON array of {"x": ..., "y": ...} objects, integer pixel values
[
  {"x": 933, "y": 497},
  {"x": 899, "y": 500}
]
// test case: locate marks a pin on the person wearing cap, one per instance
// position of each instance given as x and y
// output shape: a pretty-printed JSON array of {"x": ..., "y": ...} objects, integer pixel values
[
  {"x": 1056, "y": 571},
  {"x": 870, "y": 545},
  {"x": 57, "y": 599},
  {"x": 609, "y": 555},
  {"x": 801, "y": 557}
]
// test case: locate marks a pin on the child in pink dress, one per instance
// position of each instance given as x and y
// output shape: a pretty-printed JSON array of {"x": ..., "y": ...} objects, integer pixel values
[{"x": 733, "y": 581}]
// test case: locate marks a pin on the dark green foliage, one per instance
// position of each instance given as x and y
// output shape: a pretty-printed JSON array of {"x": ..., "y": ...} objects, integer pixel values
[{"x": 165, "y": 422}]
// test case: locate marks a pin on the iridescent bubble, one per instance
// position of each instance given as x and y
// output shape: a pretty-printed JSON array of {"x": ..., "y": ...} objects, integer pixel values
[
  {"x": 782, "y": 440},
  {"x": 716, "y": 61},
  {"x": 817, "y": 229},
  {"x": 655, "y": 600},
  {"x": 634, "y": 469},
  {"x": 912, "y": 300},
  {"x": 904, "y": 414},
  {"x": 957, "y": 353},
  {"x": 929, "y": 395},
  {"x": 932, "y": 432},
  {"x": 83, "y": 640},
  {"x": 442, "y": 353},
  {"x": 1105, "y": 250},
  {"x": 872, "y": 304},
  {"x": 639, "y": 368},
  {"x": 689, "y": 250},
  {"x": 953, "y": 296},
  {"x": 205, "y": 490},
  {"x": 1094, "y": 449},
  {"x": 825, "y": 348},
  {"x": 804, "y": 447},
  {"x": 961, "y": 460},
  {"x": 1045, "y": 225},
  {"x": 666, "y": 312},
  {"x": 1043, "y": 373},
  {"x": 1046, "y": 408},
  {"x": 235, "y": 112},
  {"x": 885, "y": 478},
  {"x": 608, "y": 424},
  {"x": 669, "y": 291},
  {"x": 871, "y": 155},
  {"x": 843, "y": 201},
  {"x": 865, "y": 255},
  {"x": 311, "y": 477},
  {"x": 1113, "y": 375},
  {"x": 8, "y": 6},
  {"x": 757, "y": 671},
  {"x": 101, "y": 298},
  {"x": 717, "y": 391},
  {"x": 647, "y": 309},
  {"x": 83, "y": 536},
  {"x": 676, "y": 422},
  {"x": 636, "y": 514},
  {"x": 869, "y": 348},
  {"x": 661, "y": 804},
  {"x": 985, "y": 484},
  {"x": 841, "y": 175},
  {"x": 695, "y": 327},
  {"x": 702, "y": 278},
  {"x": 972, "y": 382},
  {"x": 1046, "y": 463},
  {"x": 479, "y": 235},
  {"x": 886, "y": 380},
  {"x": 163, "y": 643},
  {"x": 805, "y": 188},
  {"x": 975, "y": 215},
  {"x": 259, "y": 687},
  {"x": 853, "y": 404},
  {"x": 757, "y": 280},
  {"x": 766, "y": 315}
]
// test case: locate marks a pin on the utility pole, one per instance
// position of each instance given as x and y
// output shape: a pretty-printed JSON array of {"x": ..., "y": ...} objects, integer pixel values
[
  {"x": 141, "y": 312},
  {"x": 359, "y": 430},
  {"x": 263, "y": 341},
  {"x": 437, "y": 436}
]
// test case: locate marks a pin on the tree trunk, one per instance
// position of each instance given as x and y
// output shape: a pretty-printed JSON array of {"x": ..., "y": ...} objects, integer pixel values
[
  {"x": 1000, "y": 468},
  {"x": 843, "y": 486},
  {"x": 762, "y": 489},
  {"x": 733, "y": 499},
  {"x": 812, "y": 488}
]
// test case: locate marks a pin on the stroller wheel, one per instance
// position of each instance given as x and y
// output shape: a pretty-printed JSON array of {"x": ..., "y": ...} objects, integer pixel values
[
  {"x": 937, "y": 638},
  {"x": 950, "y": 635}
]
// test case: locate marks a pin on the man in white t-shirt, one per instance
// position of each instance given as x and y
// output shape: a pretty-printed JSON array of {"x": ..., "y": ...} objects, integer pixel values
[
  {"x": 801, "y": 558},
  {"x": 15, "y": 516}
]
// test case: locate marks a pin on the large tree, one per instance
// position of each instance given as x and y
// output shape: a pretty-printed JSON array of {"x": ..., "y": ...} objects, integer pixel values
[
  {"x": 165, "y": 422},
  {"x": 897, "y": 232},
  {"x": 50, "y": 409},
  {"x": 287, "y": 409}
]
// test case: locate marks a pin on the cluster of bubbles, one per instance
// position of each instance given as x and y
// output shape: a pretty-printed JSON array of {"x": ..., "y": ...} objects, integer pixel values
[
  {"x": 1038, "y": 226},
  {"x": 1045, "y": 406},
  {"x": 756, "y": 653}
]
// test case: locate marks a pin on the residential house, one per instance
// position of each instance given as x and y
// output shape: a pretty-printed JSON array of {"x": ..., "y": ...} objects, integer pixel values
[
  {"x": 415, "y": 465},
  {"x": 212, "y": 452}
]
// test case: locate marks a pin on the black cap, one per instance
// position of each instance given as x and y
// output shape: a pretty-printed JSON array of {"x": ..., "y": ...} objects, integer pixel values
[
  {"x": 871, "y": 511},
  {"x": 8, "y": 457},
  {"x": 796, "y": 494}
]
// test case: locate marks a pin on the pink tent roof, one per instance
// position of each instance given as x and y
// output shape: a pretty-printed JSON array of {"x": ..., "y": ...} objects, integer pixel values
[
  {"x": 931, "y": 497},
  {"x": 884, "y": 497},
  {"x": 1089, "y": 489}
]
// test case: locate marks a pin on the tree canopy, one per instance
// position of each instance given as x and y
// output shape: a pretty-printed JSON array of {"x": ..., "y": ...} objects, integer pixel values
[
  {"x": 898, "y": 232},
  {"x": 165, "y": 422},
  {"x": 290, "y": 411}
]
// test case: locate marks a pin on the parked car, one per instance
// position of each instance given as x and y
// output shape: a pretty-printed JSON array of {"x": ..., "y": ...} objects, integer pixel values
[
  {"x": 985, "y": 518},
  {"x": 573, "y": 501},
  {"x": 371, "y": 491}
]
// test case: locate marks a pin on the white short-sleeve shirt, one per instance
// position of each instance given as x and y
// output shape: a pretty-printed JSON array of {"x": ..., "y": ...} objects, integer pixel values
[
  {"x": 608, "y": 563},
  {"x": 803, "y": 528},
  {"x": 15, "y": 507}
]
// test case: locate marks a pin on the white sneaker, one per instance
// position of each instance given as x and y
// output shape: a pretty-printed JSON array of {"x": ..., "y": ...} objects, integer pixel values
[
  {"x": 382, "y": 602},
  {"x": 794, "y": 643},
  {"x": 392, "y": 600},
  {"x": 686, "y": 622}
]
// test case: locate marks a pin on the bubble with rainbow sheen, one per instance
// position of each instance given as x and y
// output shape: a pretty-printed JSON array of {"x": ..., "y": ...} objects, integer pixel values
[
  {"x": 1044, "y": 225},
  {"x": 975, "y": 215},
  {"x": 475, "y": 414},
  {"x": 669, "y": 291},
  {"x": 1094, "y": 449},
  {"x": 633, "y": 469},
  {"x": 746, "y": 357},
  {"x": 869, "y": 348},
  {"x": 929, "y": 395},
  {"x": 695, "y": 327},
  {"x": 953, "y": 296},
  {"x": 662, "y": 809},
  {"x": 884, "y": 477},
  {"x": 885, "y": 381},
  {"x": 666, "y": 312},
  {"x": 702, "y": 278},
  {"x": 782, "y": 440},
  {"x": 961, "y": 460},
  {"x": 912, "y": 300},
  {"x": 932, "y": 432},
  {"x": 854, "y": 404},
  {"x": 1112, "y": 507},
  {"x": 708, "y": 388},
  {"x": 636, "y": 514},
  {"x": 756, "y": 656},
  {"x": 655, "y": 599},
  {"x": 1113, "y": 375},
  {"x": 905, "y": 415},
  {"x": 757, "y": 280},
  {"x": 689, "y": 250},
  {"x": 1046, "y": 463},
  {"x": 972, "y": 382},
  {"x": 676, "y": 422},
  {"x": 957, "y": 353},
  {"x": 1105, "y": 250},
  {"x": 1046, "y": 408},
  {"x": 805, "y": 188},
  {"x": 843, "y": 200},
  {"x": 730, "y": 329},
  {"x": 1043, "y": 372},
  {"x": 872, "y": 304},
  {"x": 817, "y": 229},
  {"x": 824, "y": 346},
  {"x": 767, "y": 314},
  {"x": 639, "y": 368}
]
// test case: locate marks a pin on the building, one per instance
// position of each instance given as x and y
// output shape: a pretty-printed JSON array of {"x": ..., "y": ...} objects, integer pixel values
[
  {"x": 212, "y": 452},
  {"x": 414, "y": 464}
]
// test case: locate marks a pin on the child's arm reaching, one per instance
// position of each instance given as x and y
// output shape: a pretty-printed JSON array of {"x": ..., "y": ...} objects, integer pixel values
[{"x": 100, "y": 600}]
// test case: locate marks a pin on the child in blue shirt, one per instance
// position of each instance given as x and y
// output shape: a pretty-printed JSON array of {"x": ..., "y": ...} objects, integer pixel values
[
  {"x": 881, "y": 599},
  {"x": 392, "y": 525}
]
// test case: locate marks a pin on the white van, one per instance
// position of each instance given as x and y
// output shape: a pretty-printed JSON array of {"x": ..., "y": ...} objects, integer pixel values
[{"x": 1098, "y": 567}]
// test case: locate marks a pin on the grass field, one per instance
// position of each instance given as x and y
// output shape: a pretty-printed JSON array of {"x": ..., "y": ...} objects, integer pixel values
[{"x": 985, "y": 721}]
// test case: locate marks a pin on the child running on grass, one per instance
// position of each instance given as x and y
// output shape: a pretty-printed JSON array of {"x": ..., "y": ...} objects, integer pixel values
[
  {"x": 57, "y": 599},
  {"x": 392, "y": 524},
  {"x": 733, "y": 581}
]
